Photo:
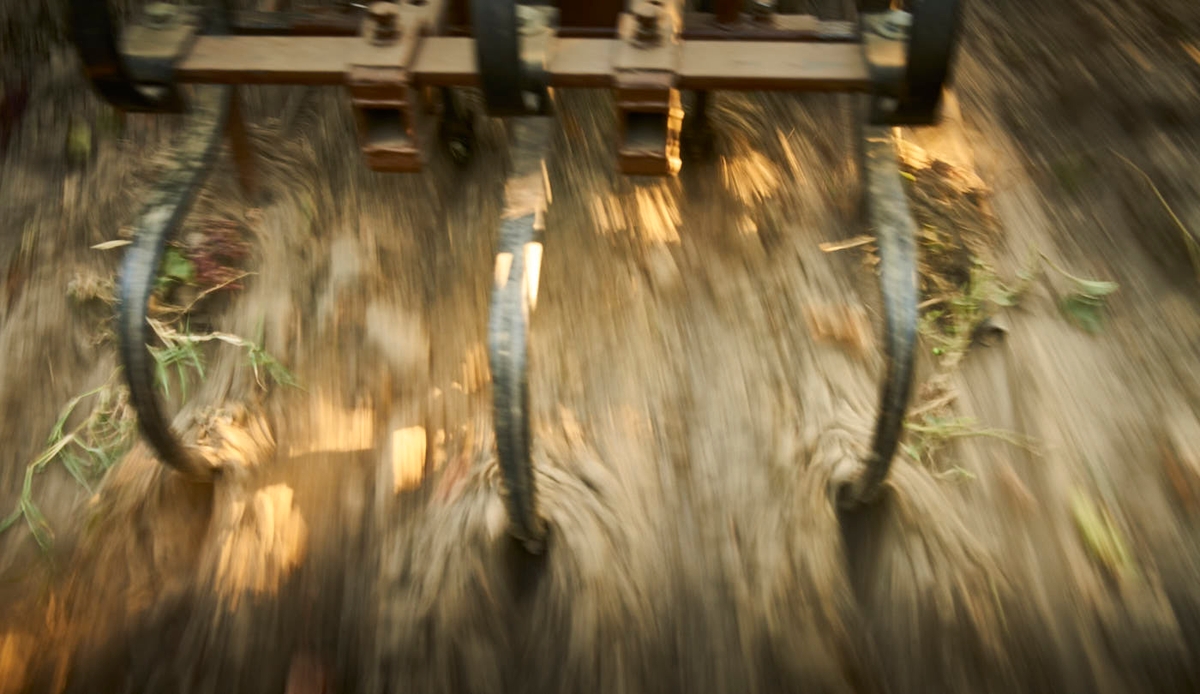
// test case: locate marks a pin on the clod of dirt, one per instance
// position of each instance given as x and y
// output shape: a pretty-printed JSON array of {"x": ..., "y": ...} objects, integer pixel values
[
  {"x": 16, "y": 651},
  {"x": 400, "y": 336},
  {"x": 257, "y": 542},
  {"x": 989, "y": 332},
  {"x": 217, "y": 250},
  {"x": 842, "y": 324},
  {"x": 1181, "y": 457},
  {"x": 307, "y": 676},
  {"x": 234, "y": 438},
  {"x": 956, "y": 223},
  {"x": 408, "y": 458}
]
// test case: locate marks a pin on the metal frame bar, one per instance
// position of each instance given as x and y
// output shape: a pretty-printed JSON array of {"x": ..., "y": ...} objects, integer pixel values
[
  {"x": 573, "y": 63},
  {"x": 696, "y": 25},
  {"x": 648, "y": 56}
]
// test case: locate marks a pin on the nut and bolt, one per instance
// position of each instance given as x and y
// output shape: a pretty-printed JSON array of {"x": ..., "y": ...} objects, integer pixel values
[
  {"x": 383, "y": 17},
  {"x": 646, "y": 15},
  {"x": 160, "y": 15},
  {"x": 762, "y": 11}
]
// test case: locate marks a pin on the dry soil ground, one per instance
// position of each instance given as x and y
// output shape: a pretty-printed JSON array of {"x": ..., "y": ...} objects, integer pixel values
[{"x": 703, "y": 360}]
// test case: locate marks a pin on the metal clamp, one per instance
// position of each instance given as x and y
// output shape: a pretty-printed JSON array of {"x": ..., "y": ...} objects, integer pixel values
[
  {"x": 385, "y": 100},
  {"x": 910, "y": 56},
  {"x": 649, "y": 107},
  {"x": 133, "y": 69}
]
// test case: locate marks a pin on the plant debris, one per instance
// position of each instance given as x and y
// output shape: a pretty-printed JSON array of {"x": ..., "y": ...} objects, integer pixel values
[{"x": 87, "y": 450}]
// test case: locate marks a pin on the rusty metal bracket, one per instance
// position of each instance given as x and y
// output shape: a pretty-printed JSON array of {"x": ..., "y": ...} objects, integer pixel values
[
  {"x": 146, "y": 85},
  {"x": 517, "y": 266},
  {"x": 387, "y": 103},
  {"x": 163, "y": 36},
  {"x": 645, "y": 74}
]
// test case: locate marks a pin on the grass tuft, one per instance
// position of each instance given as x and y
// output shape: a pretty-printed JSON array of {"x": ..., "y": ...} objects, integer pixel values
[{"x": 89, "y": 449}]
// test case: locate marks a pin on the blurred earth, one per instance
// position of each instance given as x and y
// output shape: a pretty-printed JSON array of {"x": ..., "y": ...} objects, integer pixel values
[{"x": 705, "y": 354}]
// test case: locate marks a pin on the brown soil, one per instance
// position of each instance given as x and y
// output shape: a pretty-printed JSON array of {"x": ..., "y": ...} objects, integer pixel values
[{"x": 701, "y": 366}]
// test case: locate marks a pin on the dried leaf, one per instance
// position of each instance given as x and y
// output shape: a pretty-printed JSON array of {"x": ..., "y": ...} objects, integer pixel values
[
  {"x": 1098, "y": 532},
  {"x": 1084, "y": 311},
  {"x": 108, "y": 245},
  {"x": 1096, "y": 288}
]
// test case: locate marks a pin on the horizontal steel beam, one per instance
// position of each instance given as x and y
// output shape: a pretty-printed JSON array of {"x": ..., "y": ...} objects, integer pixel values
[
  {"x": 699, "y": 26},
  {"x": 573, "y": 63}
]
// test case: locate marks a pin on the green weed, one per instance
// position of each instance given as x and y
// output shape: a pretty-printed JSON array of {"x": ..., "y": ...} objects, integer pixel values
[
  {"x": 930, "y": 433},
  {"x": 89, "y": 449}
]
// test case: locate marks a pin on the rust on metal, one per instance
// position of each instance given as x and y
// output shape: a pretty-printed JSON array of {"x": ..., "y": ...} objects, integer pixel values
[
  {"x": 308, "y": 22},
  {"x": 704, "y": 26},
  {"x": 399, "y": 52},
  {"x": 782, "y": 27},
  {"x": 589, "y": 15},
  {"x": 239, "y": 143},
  {"x": 727, "y": 11}
]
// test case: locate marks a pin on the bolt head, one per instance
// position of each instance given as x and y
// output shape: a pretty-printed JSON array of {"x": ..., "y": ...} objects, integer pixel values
[
  {"x": 762, "y": 10},
  {"x": 646, "y": 14},
  {"x": 383, "y": 16},
  {"x": 160, "y": 14},
  {"x": 383, "y": 12},
  {"x": 647, "y": 23}
]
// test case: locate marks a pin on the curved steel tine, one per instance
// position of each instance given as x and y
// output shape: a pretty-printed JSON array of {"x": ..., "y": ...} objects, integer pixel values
[
  {"x": 164, "y": 211},
  {"x": 890, "y": 216},
  {"x": 514, "y": 85},
  {"x": 97, "y": 40},
  {"x": 513, "y": 298}
]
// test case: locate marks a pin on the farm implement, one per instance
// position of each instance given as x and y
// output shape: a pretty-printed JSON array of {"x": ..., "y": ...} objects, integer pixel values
[{"x": 396, "y": 60}]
